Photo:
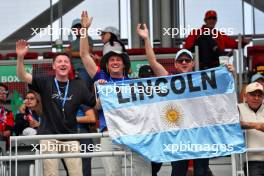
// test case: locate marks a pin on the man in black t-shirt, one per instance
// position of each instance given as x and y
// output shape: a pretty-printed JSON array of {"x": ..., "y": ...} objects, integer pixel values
[{"x": 61, "y": 99}]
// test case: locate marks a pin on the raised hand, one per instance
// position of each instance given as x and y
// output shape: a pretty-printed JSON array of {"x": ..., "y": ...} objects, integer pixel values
[
  {"x": 230, "y": 68},
  {"x": 33, "y": 123},
  {"x": 21, "y": 48},
  {"x": 86, "y": 20},
  {"x": 143, "y": 33}
]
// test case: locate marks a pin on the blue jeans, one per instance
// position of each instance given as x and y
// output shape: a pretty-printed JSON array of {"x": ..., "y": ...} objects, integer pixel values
[{"x": 180, "y": 168}]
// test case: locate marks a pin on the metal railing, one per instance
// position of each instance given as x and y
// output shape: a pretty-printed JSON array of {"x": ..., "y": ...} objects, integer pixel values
[
  {"x": 236, "y": 159},
  {"x": 39, "y": 156}
]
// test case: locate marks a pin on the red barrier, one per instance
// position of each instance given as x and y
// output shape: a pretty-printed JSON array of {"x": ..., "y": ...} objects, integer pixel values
[
  {"x": 256, "y": 53},
  {"x": 29, "y": 55}
]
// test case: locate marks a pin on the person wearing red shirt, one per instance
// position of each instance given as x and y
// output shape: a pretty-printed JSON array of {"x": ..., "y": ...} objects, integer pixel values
[
  {"x": 6, "y": 116},
  {"x": 211, "y": 42}
]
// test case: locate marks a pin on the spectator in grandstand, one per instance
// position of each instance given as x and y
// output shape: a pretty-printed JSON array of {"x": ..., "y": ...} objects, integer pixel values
[
  {"x": 28, "y": 119},
  {"x": 73, "y": 51},
  {"x": 210, "y": 41},
  {"x": 252, "y": 119},
  {"x": 257, "y": 78},
  {"x": 183, "y": 63},
  {"x": 145, "y": 71},
  {"x": 111, "y": 38},
  {"x": 6, "y": 116},
  {"x": 86, "y": 119},
  {"x": 110, "y": 34},
  {"x": 115, "y": 67},
  {"x": 61, "y": 99}
]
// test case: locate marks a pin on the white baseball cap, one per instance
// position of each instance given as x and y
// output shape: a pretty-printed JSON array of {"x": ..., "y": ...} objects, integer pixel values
[
  {"x": 253, "y": 87},
  {"x": 183, "y": 51}
]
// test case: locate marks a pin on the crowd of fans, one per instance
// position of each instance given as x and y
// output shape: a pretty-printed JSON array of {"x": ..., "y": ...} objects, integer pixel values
[{"x": 60, "y": 105}]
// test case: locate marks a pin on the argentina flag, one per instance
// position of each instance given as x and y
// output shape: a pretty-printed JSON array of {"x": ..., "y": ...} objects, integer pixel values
[{"x": 185, "y": 116}]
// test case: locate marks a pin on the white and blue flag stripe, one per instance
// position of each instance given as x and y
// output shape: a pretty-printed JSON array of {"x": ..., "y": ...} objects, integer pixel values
[{"x": 186, "y": 116}]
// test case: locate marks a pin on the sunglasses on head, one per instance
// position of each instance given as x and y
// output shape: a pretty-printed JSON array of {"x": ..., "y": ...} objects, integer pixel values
[{"x": 186, "y": 60}]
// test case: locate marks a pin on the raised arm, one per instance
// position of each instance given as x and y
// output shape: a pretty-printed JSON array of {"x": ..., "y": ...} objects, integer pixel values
[
  {"x": 87, "y": 60},
  {"x": 21, "y": 50},
  {"x": 158, "y": 69}
]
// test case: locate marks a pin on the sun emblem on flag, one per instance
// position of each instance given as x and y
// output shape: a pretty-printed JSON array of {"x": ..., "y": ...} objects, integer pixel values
[{"x": 172, "y": 115}]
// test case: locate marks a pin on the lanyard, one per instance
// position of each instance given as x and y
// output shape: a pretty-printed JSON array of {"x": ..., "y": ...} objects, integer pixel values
[
  {"x": 59, "y": 92},
  {"x": 30, "y": 112},
  {"x": 2, "y": 110}
]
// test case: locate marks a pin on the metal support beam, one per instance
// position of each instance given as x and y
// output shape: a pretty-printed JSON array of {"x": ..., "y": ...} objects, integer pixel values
[
  {"x": 150, "y": 21},
  {"x": 166, "y": 22},
  {"x": 175, "y": 21},
  {"x": 157, "y": 28},
  {"x": 135, "y": 19}
]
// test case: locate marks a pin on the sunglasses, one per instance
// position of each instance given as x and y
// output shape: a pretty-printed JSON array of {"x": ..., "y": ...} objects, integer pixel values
[
  {"x": 30, "y": 98},
  {"x": 180, "y": 61}
]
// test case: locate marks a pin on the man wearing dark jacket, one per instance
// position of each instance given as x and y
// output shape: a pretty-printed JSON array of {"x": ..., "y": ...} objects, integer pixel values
[{"x": 210, "y": 41}]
